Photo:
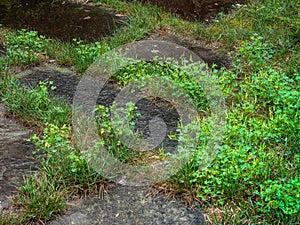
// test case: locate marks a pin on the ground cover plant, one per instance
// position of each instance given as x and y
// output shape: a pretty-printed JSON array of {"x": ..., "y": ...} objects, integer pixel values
[
  {"x": 255, "y": 178},
  {"x": 37, "y": 106}
]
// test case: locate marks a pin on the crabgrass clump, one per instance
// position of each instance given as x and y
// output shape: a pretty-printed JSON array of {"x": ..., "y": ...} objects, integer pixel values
[
  {"x": 59, "y": 157},
  {"x": 63, "y": 172},
  {"x": 41, "y": 197},
  {"x": 35, "y": 106},
  {"x": 11, "y": 219}
]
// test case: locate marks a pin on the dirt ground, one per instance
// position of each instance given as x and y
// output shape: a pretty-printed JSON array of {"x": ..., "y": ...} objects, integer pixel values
[{"x": 195, "y": 9}]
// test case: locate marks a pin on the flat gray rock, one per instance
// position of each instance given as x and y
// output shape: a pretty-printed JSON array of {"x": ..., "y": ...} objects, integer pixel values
[
  {"x": 15, "y": 157},
  {"x": 130, "y": 206}
]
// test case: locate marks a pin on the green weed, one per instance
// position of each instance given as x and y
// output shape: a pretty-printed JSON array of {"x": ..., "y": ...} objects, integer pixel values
[
  {"x": 86, "y": 53},
  {"x": 24, "y": 48},
  {"x": 63, "y": 172},
  {"x": 257, "y": 160},
  {"x": 111, "y": 137},
  {"x": 36, "y": 106},
  {"x": 167, "y": 71},
  {"x": 60, "y": 158}
]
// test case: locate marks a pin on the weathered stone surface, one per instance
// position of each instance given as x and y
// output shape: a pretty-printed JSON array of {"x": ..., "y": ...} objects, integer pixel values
[
  {"x": 130, "y": 206},
  {"x": 15, "y": 157},
  {"x": 66, "y": 85}
]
